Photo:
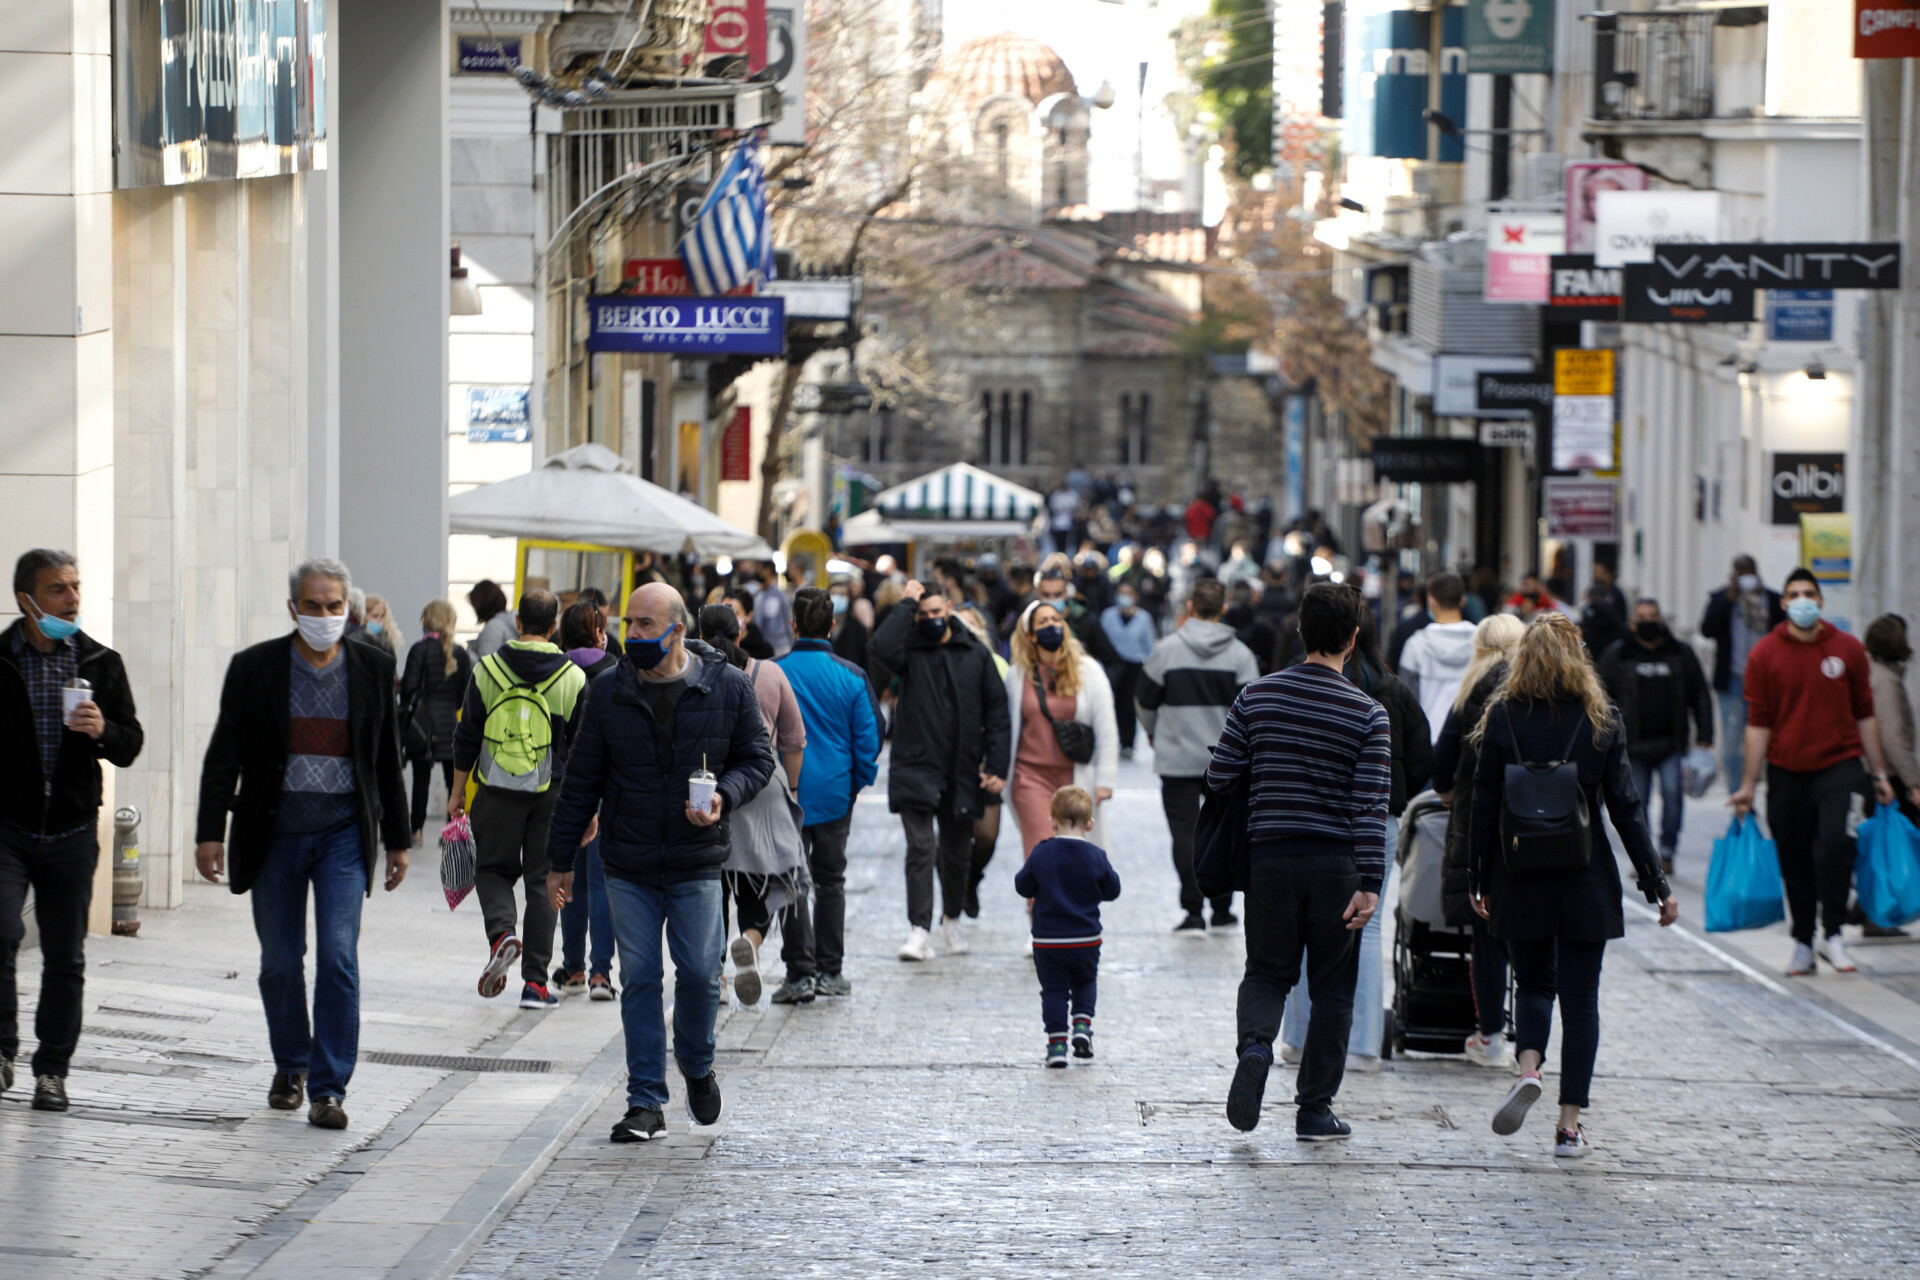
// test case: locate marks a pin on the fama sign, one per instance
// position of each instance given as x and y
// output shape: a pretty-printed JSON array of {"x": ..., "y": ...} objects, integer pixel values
[
  {"x": 1780, "y": 266},
  {"x": 699, "y": 326},
  {"x": 1582, "y": 291},
  {"x": 1806, "y": 484}
]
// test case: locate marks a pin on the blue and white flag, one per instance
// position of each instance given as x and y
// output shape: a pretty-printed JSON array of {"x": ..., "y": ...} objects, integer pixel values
[{"x": 730, "y": 243}]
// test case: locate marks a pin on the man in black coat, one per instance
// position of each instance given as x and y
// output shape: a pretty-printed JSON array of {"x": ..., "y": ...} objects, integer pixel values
[
  {"x": 653, "y": 727},
  {"x": 951, "y": 732},
  {"x": 1737, "y": 615},
  {"x": 306, "y": 756},
  {"x": 50, "y": 803},
  {"x": 1657, "y": 683}
]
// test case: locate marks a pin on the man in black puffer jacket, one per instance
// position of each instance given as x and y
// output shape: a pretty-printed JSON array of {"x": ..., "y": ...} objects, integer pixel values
[
  {"x": 669, "y": 710},
  {"x": 951, "y": 732}
]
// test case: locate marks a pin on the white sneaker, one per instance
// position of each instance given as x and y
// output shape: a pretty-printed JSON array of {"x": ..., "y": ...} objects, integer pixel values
[
  {"x": 1363, "y": 1063},
  {"x": 1802, "y": 962},
  {"x": 1289, "y": 1054},
  {"x": 1513, "y": 1111},
  {"x": 953, "y": 936},
  {"x": 918, "y": 946},
  {"x": 1487, "y": 1051},
  {"x": 1572, "y": 1145},
  {"x": 1834, "y": 952},
  {"x": 746, "y": 966}
]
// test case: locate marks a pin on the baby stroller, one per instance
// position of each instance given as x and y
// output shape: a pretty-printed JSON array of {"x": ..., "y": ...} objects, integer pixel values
[{"x": 1432, "y": 987}]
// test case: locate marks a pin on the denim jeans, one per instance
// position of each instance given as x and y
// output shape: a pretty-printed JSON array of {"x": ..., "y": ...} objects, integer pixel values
[
  {"x": 60, "y": 874},
  {"x": 1369, "y": 989},
  {"x": 1672, "y": 796},
  {"x": 334, "y": 863},
  {"x": 1733, "y": 730},
  {"x": 586, "y": 918},
  {"x": 695, "y": 925},
  {"x": 1550, "y": 969}
]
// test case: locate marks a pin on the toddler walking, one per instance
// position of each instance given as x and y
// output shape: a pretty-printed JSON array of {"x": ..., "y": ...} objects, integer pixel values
[{"x": 1067, "y": 878}]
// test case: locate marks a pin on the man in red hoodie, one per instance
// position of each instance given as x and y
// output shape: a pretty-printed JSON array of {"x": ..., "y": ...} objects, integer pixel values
[{"x": 1810, "y": 718}]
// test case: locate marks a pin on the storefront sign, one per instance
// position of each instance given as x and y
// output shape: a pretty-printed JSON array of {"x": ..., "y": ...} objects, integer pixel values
[
  {"x": 1389, "y": 55},
  {"x": 1582, "y": 433},
  {"x": 1886, "y": 28},
  {"x": 1806, "y": 483},
  {"x": 1826, "y": 547},
  {"x": 738, "y": 29},
  {"x": 710, "y": 326},
  {"x": 1520, "y": 251},
  {"x": 1510, "y": 37},
  {"x": 1579, "y": 372},
  {"x": 485, "y": 56},
  {"x": 1648, "y": 299},
  {"x": 787, "y": 58},
  {"x": 1424, "y": 459},
  {"x": 665, "y": 278},
  {"x": 1531, "y": 390},
  {"x": 1580, "y": 508},
  {"x": 1630, "y": 225},
  {"x": 1800, "y": 315},
  {"x": 1506, "y": 435},
  {"x": 1785, "y": 266},
  {"x": 1456, "y": 383},
  {"x": 499, "y": 415},
  {"x": 736, "y": 446},
  {"x": 1580, "y": 290}
]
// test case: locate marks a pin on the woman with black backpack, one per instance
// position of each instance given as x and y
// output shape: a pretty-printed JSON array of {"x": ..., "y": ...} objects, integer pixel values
[{"x": 1541, "y": 872}]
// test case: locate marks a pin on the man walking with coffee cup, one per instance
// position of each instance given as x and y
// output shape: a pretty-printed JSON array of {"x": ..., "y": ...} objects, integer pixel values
[
  {"x": 654, "y": 728},
  {"x": 64, "y": 707}
]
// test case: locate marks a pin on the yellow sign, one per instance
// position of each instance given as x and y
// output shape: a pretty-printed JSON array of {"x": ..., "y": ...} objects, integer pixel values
[
  {"x": 1826, "y": 545},
  {"x": 1579, "y": 372}
]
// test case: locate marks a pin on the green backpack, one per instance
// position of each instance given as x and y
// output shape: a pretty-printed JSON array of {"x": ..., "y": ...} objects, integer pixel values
[{"x": 516, "y": 738}]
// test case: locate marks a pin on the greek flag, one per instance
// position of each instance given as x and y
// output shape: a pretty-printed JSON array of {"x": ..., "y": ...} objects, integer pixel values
[{"x": 729, "y": 243}]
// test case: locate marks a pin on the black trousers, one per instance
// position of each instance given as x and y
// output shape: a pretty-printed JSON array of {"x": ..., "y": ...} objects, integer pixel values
[
  {"x": 1548, "y": 968},
  {"x": 1126, "y": 680},
  {"x": 1487, "y": 970},
  {"x": 1296, "y": 906},
  {"x": 951, "y": 853},
  {"x": 422, "y": 783},
  {"x": 510, "y": 847},
  {"x": 796, "y": 925},
  {"x": 827, "y": 859},
  {"x": 1069, "y": 984},
  {"x": 1180, "y": 797},
  {"x": 60, "y": 873},
  {"x": 1808, "y": 814}
]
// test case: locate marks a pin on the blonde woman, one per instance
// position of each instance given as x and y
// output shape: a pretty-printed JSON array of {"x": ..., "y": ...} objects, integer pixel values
[
  {"x": 1047, "y": 657},
  {"x": 381, "y": 629},
  {"x": 431, "y": 687},
  {"x": 1558, "y": 905}
]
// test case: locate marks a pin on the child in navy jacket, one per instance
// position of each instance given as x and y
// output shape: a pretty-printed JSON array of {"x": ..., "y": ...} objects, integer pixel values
[{"x": 1067, "y": 877}]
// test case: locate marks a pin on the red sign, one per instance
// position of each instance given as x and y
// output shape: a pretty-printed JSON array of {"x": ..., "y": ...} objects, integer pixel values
[
  {"x": 1886, "y": 28},
  {"x": 738, "y": 28},
  {"x": 1580, "y": 508},
  {"x": 736, "y": 446},
  {"x": 664, "y": 278}
]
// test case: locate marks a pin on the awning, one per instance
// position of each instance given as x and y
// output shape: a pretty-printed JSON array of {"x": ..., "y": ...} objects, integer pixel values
[
  {"x": 961, "y": 494},
  {"x": 589, "y": 494}
]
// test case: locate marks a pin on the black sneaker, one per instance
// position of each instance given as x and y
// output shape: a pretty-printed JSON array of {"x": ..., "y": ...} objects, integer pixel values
[
  {"x": 1248, "y": 1088},
  {"x": 1083, "y": 1037},
  {"x": 1195, "y": 925},
  {"x": 1224, "y": 920},
  {"x": 704, "y": 1103},
  {"x": 1319, "y": 1124},
  {"x": 640, "y": 1124},
  {"x": 49, "y": 1093},
  {"x": 287, "y": 1091},
  {"x": 327, "y": 1113},
  {"x": 6, "y": 1073},
  {"x": 795, "y": 991}
]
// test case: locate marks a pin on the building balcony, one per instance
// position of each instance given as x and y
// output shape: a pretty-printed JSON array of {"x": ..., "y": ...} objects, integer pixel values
[{"x": 1662, "y": 71}]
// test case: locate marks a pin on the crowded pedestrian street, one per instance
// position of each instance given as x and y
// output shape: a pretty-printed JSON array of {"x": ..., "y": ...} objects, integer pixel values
[{"x": 1743, "y": 1124}]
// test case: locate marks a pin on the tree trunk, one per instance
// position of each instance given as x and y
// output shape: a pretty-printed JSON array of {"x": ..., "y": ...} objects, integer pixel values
[{"x": 772, "y": 466}]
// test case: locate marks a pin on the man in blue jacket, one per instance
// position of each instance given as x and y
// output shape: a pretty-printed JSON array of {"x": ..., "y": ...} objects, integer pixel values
[
  {"x": 843, "y": 746},
  {"x": 662, "y": 715}
]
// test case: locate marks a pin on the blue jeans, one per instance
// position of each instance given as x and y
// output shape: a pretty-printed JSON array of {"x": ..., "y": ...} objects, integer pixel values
[
  {"x": 696, "y": 935},
  {"x": 1672, "y": 796},
  {"x": 1733, "y": 730},
  {"x": 1369, "y": 990},
  {"x": 587, "y": 917},
  {"x": 335, "y": 863}
]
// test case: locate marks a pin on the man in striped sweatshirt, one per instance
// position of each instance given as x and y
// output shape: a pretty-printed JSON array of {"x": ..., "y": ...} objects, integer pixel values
[{"x": 1315, "y": 753}]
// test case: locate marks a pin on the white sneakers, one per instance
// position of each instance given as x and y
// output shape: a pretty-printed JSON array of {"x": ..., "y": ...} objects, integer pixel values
[
  {"x": 1488, "y": 1051},
  {"x": 953, "y": 936},
  {"x": 746, "y": 965},
  {"x": 1802, "y": 962},
  {"x": 1519, "y": 1099},
  {"x": 1834, "y": 952},
  {"x": 918, "y": 946}
]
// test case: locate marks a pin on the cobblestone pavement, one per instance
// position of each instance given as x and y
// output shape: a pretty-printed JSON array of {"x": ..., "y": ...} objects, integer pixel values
[{"x": 1744, "y": 1124}]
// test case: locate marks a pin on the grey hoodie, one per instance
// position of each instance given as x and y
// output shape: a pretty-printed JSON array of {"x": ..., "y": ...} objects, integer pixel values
[
  {"x": 1186, "y": 687},
  {"x": 1433, "y": 663}
]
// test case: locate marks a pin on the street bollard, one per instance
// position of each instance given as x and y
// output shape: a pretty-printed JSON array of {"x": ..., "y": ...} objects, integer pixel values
[{"x": 127, "y": 882}]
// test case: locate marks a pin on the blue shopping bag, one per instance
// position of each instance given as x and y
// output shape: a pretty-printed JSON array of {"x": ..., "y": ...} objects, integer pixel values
[
  {"x": 1743, "y": 881},
  {"x": 1887, "y": 870}
]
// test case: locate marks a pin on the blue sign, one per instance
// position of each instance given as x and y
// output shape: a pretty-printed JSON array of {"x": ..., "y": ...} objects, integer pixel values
[
  {"x": 1800, "y": 315},
  {"x": 1296, "y": 447},
  {"x": 1389, "y": 55},
  {"x": 498, "y": 415},
  {"x": 755, "y": 326},
  {"x": 485, "y": 56}
]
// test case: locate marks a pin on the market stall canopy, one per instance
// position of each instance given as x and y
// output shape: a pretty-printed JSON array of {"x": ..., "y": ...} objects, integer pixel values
[
  {"x": 590, "y": 494},
  {"x": 957, "y": 501}
]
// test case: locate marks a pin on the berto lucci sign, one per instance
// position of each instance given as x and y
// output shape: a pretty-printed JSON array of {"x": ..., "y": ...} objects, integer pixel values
[{"x": 690, "y": 326}]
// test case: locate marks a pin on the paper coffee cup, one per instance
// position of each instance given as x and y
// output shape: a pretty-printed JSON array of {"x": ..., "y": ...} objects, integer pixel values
[
  {"x": 71, "y": 698},
  {"x": 700, "y": 788}
]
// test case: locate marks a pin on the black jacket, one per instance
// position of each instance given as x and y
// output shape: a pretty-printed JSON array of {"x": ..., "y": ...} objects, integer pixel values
[
  {"x": 1659, "y": 741},
  {"x": 1583, "y": 905},
  {"x": 248, "y": 756},
  {"x": 531, "y": 666},
  {"x": 71, "y": 798},
  {"x": 951, "y": 721},
  {"x": 1454, "y": 760},
  {"x": 1412, "y": 736},
  {"x": 622, "y": 768},
  {"x": 431, "y": 696},
  {"x": 1716, "y": 624}
]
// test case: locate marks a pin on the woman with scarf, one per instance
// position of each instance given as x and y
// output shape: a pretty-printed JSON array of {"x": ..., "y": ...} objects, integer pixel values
[{"x": 1049, "y": 662}]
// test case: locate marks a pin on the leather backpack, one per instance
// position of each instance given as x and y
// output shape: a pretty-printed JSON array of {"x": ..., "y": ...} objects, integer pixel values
[{"x": 1545, "y": 821}]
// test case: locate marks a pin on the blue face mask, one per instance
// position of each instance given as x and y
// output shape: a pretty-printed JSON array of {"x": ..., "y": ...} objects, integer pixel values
[
  {"x": 55, "y": 628},
  {"x": 375, "y": 627},
  {"x": 1803, "y": 613},
  {"x": 648, "y": 654},
  {"x": 839, "y": 605}
]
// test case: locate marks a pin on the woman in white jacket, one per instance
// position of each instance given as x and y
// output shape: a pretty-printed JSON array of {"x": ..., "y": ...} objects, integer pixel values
[{"x": 1046, "y": 653}]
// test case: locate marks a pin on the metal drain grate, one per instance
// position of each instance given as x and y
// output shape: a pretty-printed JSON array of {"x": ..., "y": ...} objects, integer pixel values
[
  {"x": 119, "y": 1011},
  {"x": 441, "y": 1062},
  {"x": 144, "y": 1037}
]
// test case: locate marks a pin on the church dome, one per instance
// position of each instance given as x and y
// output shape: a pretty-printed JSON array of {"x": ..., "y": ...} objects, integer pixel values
[{"x": 1000, "y": 64}]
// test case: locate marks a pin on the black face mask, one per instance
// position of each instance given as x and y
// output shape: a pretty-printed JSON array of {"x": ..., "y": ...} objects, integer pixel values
[
  {"x": 1649, "y": 630},
  {"x": 934, "y": 629},
  {"x": 1050, "y": 638}
]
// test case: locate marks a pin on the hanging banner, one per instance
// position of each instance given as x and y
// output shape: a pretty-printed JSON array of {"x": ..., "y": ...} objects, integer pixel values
[
  {"x": 1520, "y": 252},
  {"x": 787, "y": 57},
  {"x": 1580, "y": 290},
  {"x": 1647, "y": 299},
  {"x": 1585, "y": 182},
  {"x": 738, "y": 29},
  {"x": 1886, "y": 28},
  {"x": 1424, "y": 459},
  {"x": 1580, "y": 372},
  {"x": 1456, "y": 384},
  {"x": 1580, "y": 508},
  {"x": 736, "y": 446},
  {"x": 1389, "y": 55},
  {"x": 708, "y": 326},
  {"x": 1782, "y": 266},
  {"x": 1510, "y": 37},
  {"x": 1583, "y": 433}
]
